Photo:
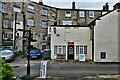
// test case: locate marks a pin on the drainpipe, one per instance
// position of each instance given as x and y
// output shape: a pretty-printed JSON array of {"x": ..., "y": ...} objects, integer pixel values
[
  {"x": 14, "y": 42},
  {"x": 92, "y": 28}
]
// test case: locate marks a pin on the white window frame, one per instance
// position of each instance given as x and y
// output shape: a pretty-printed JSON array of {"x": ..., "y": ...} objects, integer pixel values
[
  {"x": 67, "y": 22},
  {"x": 31, "y": 8},
  {"x": 81, "y": 13},
  {"x": 91, "y": 14},
  {"x": 67, "y": 15},
  {"x": 44, "y": 24},
  {"x": 60, "y": 50},
  {"x": 44, "y": 12},
  {"x": 16, "y": 9},
  {"x": 30, "y": 22},
  {"x": 3, "y": 7},
  {"x": 57, "y": 49},
  {"x": 82, "y": 49}
]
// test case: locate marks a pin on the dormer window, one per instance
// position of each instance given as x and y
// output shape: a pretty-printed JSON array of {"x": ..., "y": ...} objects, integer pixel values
[{"x": 67, "y": 13}]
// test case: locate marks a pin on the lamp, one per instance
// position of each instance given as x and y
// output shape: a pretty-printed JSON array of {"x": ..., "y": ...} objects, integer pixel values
[{"x": 29, "y": 45}]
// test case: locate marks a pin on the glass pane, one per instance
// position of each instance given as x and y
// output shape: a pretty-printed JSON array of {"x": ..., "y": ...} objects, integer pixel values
[{"x": 85, "y": 49}]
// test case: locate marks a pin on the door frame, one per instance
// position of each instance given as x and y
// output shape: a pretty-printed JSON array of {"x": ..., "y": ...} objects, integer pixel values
[{"x": 70, "y": 56}]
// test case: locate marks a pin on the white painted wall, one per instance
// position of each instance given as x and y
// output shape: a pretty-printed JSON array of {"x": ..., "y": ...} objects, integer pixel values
[
  {"x": 78, "y": 35},
  {"x": 106, "y": 37}
]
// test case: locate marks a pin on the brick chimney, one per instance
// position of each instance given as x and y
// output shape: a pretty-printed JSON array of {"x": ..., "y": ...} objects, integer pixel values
[
  {"x": 73, "y": 5},
  {"x": 116, "y": 6}
]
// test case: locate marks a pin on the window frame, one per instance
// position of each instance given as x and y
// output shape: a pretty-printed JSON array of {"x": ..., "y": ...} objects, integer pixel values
[
  {"x": 31, "y": 8},
  {"x": 68, "y": 15},
  {"x": 44, "y": 12},
  {"x": 81, "y": 49},
  {"x": 44, "y": 24},
  {"x": 5, "y": 36},
  {"x": 67, "y": 22},
  {"x": 16, "y": 9},
  {"x": 6, "y": 24},
  {"x": 93, "y": 14},
  {"x": 29, "y": 23},
  {"x": 103, "y": 55},
  {"x": 3, "y": 7},
  {"x": 82, "y": 14},
  {"x": 58, "y": 47}
]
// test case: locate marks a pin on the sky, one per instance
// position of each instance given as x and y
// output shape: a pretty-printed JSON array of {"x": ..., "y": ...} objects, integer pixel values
[{"x": 80, "y": 4}]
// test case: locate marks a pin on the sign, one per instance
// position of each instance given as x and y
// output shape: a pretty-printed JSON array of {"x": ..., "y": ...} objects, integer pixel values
[
  {"x": 70, "y": 43},
  {"x": 81, "y": 57},
  {"x": 43, "y": 69}
]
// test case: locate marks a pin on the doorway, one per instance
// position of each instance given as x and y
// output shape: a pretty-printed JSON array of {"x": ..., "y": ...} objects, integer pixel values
[{"x": 70, "y": 52}]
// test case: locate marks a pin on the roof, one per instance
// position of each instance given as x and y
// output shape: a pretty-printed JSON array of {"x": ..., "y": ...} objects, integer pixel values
[
  {"x": 81, "y": 25},
  {"x": 100, "y": 16}
]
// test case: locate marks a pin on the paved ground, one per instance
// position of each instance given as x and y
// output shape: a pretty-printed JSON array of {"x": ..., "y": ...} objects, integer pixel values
[{"x": 64, "y": 69}]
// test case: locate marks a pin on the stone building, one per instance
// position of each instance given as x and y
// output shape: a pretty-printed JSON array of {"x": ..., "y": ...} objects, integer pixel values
[{"x": 38, "y": 17}]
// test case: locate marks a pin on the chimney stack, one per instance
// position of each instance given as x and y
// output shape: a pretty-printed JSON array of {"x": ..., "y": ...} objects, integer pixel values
[
  {"x": 106, "y": 7},
  {"x": 116, "y": 6},
  {"x": 73, "y": 5},
  {"x": 40, "y": 2}
]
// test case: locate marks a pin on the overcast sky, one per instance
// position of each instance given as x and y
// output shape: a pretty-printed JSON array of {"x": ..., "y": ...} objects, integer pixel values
[{"x": 81, "y": 4}]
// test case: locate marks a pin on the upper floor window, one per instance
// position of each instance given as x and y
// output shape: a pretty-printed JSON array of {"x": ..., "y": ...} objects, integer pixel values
[
  {"x": 5, "y": 25},
  {"x": 44, "y": 24},
  {"x": 12, "y": 23},
  {"x": 67, "y": 22},
  {"x": 81, "y": 14},
  {"x": 44, "y": 12},
  {"x": 30, "y": 22},
  {"x": 16, "y": 9},
  {"x": 3, "y": 7},
  {"x": 67, "y": 13},
  {"x": 91, "y": 14},
  {"x": 30, "y": 8},
  {"x": 44, "y": 36}
]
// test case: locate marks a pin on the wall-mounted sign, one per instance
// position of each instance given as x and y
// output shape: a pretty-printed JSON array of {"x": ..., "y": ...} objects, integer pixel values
[{"x": 70, "y": 43}]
